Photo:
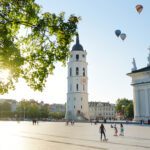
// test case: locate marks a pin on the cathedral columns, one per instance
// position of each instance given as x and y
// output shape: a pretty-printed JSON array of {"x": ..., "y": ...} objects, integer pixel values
[
  {"x": 147, "y": 103},
  {"x": 136, "y": 102}
]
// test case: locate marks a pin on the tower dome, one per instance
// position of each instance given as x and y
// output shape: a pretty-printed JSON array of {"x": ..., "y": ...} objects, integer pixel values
[{"x": 77, "y": 46}]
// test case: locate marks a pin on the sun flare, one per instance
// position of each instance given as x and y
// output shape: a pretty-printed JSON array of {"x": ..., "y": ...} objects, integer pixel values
[{"x": 4, "y": 75}]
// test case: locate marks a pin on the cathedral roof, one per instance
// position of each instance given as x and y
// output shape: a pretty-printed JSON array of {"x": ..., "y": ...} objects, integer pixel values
[
  {"x": 77, "y": 46},
  {"x": 145, "y": 69}
]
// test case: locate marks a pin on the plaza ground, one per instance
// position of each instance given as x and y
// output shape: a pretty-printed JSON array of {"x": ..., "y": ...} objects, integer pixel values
[{"x": 81, "y": 136}]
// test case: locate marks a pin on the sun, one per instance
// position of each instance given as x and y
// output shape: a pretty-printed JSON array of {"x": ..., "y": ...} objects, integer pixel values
[{"x": 4, "y": 75}]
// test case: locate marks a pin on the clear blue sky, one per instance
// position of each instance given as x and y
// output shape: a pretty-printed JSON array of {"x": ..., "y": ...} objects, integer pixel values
[{"x": 109, "y": 58}]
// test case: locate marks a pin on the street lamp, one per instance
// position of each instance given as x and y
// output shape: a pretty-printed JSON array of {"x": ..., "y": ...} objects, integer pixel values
[
  {"x": 95, "y": 110},
  {"x": 24, "y": 111}
]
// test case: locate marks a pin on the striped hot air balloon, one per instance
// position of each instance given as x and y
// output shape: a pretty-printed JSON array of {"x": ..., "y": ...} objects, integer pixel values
[{"x": 139, "y": 8}]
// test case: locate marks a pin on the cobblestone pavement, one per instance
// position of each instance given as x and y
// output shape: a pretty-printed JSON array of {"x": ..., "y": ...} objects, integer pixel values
[{"x": 81, "y": 136}]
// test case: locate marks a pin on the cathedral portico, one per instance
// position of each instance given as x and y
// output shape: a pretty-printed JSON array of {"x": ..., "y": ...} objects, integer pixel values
[{"x": 141, "y": 91}]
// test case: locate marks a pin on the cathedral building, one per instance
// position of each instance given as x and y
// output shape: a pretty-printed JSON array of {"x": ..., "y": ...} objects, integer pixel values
[
  {"x": 77, "y": 95},
  {"x": 141, "y": 91}
]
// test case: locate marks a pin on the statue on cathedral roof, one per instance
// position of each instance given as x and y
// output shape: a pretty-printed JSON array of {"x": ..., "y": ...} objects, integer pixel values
[{"x": 134, "y": 65}]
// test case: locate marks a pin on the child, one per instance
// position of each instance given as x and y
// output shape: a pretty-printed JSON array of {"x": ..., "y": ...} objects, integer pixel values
[
  {"x": 121, "y": 130},
  {"x": 111, "y": 126},
  {"x": 116, "y": 131}
]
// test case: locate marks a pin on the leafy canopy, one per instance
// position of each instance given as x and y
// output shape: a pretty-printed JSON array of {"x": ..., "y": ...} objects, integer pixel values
[
  {"x": 126, "y": 106},
  {"x": 32, "y": 54}
]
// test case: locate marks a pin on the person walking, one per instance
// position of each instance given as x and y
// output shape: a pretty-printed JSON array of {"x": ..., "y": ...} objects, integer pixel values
[
  {"x": 121, "y": 130},
  {"x": 102, "y": 131},
  {"x": 116, "y": 130}
]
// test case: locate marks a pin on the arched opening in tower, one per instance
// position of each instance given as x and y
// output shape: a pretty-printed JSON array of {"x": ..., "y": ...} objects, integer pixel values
[{"x": 78, "y": 112}]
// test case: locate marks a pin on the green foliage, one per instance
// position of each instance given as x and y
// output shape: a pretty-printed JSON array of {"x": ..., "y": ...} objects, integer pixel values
[
  {"x": 5, "y": 109},
  {"x": 57, "y": 115},
  {"x": 32, "y": 54},
  {"x": 44, "y": 112},
  {"x": 125, "y": 106},
  {"x": 31, "y": 110},
  {"x": 129, "y": 110},
  {"x": 28, "y": 110}
]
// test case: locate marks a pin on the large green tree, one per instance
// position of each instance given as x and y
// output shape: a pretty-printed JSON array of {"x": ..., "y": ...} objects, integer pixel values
[
  {"x": 31, "y": 42},
  {"x": 121, "y": 104},
  {"x": 125, "y": 107}
]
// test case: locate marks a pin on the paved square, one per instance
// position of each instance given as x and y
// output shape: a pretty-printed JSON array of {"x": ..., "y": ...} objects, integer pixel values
[{"x": 81, "y": 136}]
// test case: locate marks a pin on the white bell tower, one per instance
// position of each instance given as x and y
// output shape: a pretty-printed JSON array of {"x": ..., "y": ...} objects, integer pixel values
[{"x": 77, "y": 96}]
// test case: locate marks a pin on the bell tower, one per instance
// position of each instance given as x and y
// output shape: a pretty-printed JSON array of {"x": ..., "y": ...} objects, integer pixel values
[{"x": 77, "y": 95}]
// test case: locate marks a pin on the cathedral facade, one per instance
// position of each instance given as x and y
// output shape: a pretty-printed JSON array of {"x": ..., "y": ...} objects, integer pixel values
[
  {"x": 77, "y": 95},
  {"x": 141, "y": 91}
]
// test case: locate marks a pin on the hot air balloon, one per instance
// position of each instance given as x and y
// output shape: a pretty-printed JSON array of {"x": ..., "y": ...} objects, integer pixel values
[
  {"x": 117, "y": 32},
  {"x": 139, "y": 8},
  {"x": 123, "y": 36}
]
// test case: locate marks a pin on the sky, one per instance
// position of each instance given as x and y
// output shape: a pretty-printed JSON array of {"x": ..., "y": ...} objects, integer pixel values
[{"x": 109, "y": 58}]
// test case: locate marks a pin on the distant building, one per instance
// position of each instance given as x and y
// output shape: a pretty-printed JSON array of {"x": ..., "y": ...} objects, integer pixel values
[
  {"x": 141, "y": 91},
  {"x": 13, "y": 103},
  {"x": 57, "y": 108},
  {"x": 102, "y": 110}
]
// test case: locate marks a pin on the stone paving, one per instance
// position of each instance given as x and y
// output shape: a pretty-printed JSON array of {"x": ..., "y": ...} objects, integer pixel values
[{"x": 81, "y": 136}]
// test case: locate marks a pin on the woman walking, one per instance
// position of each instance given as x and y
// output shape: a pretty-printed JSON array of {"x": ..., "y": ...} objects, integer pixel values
[{"x": 102, "y": 131}]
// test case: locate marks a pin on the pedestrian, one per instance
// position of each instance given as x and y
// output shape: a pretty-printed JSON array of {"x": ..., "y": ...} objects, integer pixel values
[
  {"x": 67, "y": 123},
  {"x": 116, "y": 130},
  {"x": 121, "y": 130},
  {"x": 91, "y": 122},
  {"x": 102, "y": 131},
  {"x": 72, "y": 122}
]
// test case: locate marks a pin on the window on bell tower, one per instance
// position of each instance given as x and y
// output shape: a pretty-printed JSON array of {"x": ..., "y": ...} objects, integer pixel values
[
  {"x": 77, "y": 71},
  {"x": 70, "y": 71},
  {"x": 77, "y": 57},
  {"x": 83, "y": 71},
  {"x": 77, "y": 87}
]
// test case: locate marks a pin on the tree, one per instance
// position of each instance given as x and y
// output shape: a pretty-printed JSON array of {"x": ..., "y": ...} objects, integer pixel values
[
  {"x": 129, "y": 110},
  {"x": 125, "y": 107},
  {"x": 22, "y": 109},
  {"x": 57, "y": 115},
  {"x": 33, "y": 111},
  {"x": 32, "y": 55},
  {"x": 5, "y": 109},
  {"x": 120, "y": 103},
  {"x": 44, "y": 112}
]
